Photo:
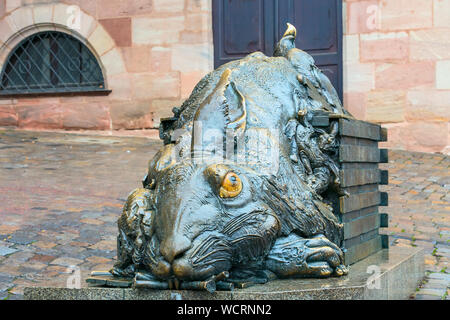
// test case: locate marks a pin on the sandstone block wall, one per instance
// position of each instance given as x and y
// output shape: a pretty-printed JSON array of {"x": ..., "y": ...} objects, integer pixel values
[{"x": 397, "y": 69}]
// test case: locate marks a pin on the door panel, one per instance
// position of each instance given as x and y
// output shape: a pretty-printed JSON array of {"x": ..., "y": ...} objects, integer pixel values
[
  {"x": 241, "y": 27},
  {"x": 250, "y": 29}
]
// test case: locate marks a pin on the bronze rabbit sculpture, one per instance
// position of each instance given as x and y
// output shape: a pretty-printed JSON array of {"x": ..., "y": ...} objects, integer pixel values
[{"x": 250, "y": 209}]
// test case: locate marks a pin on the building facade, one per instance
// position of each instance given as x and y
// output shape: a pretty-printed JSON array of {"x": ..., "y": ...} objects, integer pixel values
[{"x": 151, "y": 53}]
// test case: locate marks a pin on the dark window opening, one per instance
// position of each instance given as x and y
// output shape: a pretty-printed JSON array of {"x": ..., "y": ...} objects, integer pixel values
[{"x": 51, "y": 62}]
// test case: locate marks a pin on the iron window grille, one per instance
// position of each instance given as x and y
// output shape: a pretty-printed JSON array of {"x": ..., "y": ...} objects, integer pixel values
[{"x": 50, "y": 62}]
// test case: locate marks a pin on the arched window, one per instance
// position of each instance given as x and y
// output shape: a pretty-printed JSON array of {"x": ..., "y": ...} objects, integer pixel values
[{"x": 50, "y": 62}]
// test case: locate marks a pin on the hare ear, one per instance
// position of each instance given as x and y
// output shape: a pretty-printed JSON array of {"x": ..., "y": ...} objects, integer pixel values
[
  {"x": 223, "y": 113},
  {"x": 237, "y": 110}
]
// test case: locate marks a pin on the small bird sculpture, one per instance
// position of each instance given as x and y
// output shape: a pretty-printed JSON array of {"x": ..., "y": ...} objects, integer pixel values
[{"x": 305, "y": 66}]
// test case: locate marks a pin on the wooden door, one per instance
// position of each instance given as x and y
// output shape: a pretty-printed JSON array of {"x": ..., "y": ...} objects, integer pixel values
[{"x": 241, "y": 27}]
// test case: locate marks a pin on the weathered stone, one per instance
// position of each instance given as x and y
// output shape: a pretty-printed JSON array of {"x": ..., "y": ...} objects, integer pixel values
[
  {"x": 8, "y": 229},
  {"x": 2, "y": 8},
  {"x": 86, "y": 5},
  {"x": 355, "y": 103},
  {"x": 198, "y": 5},
  {"x": 168, "y": 6},
  {"x": 430, "y": 44},
  {"x": 98, "y": 260},
  {"x": 11, "y": 5},
  {"x": 66, "y": 262},
  {"x": 428, "y": 105},
  {"x": 5, "y": 30},
  {"x": 443, "y": 75},
  {"x": 108, "y": 245},
  {"x": 94, "y": 116},
  {"x": 42, "y": 13},
  {"x": 44, "y": 244},
  {"x": 405, "y": 75},
  {"x": 154, "y": 31},
  {"x": 192, "y": 58},
  {"x": 154, "y": 86},
  {"x": 101, "y": 40},
  {"x": 137, "y": 58},
  {"x": 441, "y": 12},
  {"x": 194, "y": 37},
  {"x": 21, "y": 18},
  {"x": 96, "y": 222},
  {"x": 40, "y": 116},
  {"x": 351, "y": 48},
  {"x": 362, "y": 16},
  {"x": 22, "y": 237},
  {"x": 384, "y": 47},
  {"x": 198, "y": 22},
  {"x": 119, "y": 29},
  {"x": 431, "y": 136},
  {"x": 394, "y": 16},
  {"x": 359, "y": 77},
  {"x": 113, "y": 62},
  {"x": 119, "y": 8},
  {"x": 160, "y": 59},
  {"x": 8, "y": 116},
  {"x": 120, "y": 86},
  {"x": 87, "y": 24},
  {"x": 131, "y": 115},
  {"x": 62, "y": 14}
]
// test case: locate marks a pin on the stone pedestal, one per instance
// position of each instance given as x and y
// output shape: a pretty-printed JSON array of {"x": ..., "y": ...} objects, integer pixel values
[{"x": 387, "y": 274}]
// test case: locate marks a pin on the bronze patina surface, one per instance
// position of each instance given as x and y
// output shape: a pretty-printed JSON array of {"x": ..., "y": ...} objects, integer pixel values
[{"x": 241, "y": 191}]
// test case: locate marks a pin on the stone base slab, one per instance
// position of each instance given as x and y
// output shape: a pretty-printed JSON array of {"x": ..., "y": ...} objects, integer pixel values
[{"x": 388, "y": 274}]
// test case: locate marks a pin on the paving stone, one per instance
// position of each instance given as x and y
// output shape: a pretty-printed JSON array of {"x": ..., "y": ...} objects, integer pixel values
[
  {"x": 420, "y": 296},
  {"x": 437, "y": 283},
  {"x": 67, "y": 261},
  {"x": 44, "y": 244},
  {"x": 432, "y": 292},
  {"x": 440, "y": 276},
  {"x": 4, "y": 251},
  {"x": 22, "y": 237}
]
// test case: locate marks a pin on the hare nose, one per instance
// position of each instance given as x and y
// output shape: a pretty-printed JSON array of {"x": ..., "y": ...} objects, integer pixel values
[{"x": 173, "y": 247}]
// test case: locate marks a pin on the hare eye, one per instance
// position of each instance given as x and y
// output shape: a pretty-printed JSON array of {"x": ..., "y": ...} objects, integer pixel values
[{"x": 231, "y": 186}]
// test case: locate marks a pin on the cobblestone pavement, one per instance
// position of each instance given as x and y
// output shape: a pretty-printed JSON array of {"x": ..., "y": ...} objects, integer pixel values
[
  {"x": 419, "y": 213},
  {"x": 62, "y": 193}
]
